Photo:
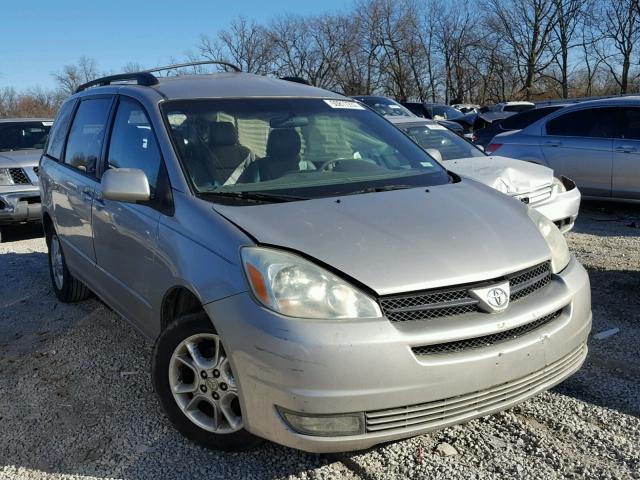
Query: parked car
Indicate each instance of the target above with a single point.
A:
(21, 142)
(466, 107)
(596, 143)
(516, 107)
(308, 274)
(483, 136)
(391, 109)
(558, 199)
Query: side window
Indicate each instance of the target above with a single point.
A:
(631, 123)
(87, 135)
(59, 131)
(133, 143)
(590, 122)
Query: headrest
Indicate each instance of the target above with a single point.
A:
(222, 134)
(283, 143)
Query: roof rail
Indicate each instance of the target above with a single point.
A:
(141, 78)
(145, 77)
(193, 64)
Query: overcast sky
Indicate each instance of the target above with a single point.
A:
(40, 36)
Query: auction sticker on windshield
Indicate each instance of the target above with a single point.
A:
(436, 126)
(344, 104)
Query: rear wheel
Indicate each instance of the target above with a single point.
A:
(66, 287)
(193, 377)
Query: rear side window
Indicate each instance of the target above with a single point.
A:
(631, 123)
(133, 143)
(87, 135)
(590, 122)
(59, 131)
(524, 119)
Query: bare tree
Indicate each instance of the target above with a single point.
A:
(74, 75)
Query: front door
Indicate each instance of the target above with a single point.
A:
(73, 197)
(125, 234)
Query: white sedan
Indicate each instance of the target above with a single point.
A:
(556, 198)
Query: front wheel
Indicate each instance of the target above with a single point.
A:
(197, 388)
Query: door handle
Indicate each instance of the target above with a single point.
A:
(554, 143)
(626, 149)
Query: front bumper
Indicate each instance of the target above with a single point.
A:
(332, 367)
(19, 206)
(562, 208)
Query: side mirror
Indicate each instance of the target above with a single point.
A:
(435, 154)
(125, 185)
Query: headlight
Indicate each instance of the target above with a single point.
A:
(558, 186)
(293, 286)
(5, 177)
(557, 244)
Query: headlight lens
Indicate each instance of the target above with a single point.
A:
(558, 186)
(5, 177)
(557, 244)
(293, 286)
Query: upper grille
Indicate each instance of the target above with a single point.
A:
(463, 407)
(457, 300)
(536, 196)
(486, 340)
(19, 177)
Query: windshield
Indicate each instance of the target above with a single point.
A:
(386, 107)
(303, 147)
(23, 136)
(520, 107)
(448, 113)
(450, 145)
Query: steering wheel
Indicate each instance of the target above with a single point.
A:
(326, 164)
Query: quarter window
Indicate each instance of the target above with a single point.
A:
(59, 131)
(133, 143)
(87, 135)
(590, 122)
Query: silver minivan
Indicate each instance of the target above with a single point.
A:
(307, 273)
(596, 143)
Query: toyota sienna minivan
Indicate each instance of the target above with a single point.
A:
(307, 273)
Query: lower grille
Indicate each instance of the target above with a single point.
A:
(462, 407)
(457, 300)
(19, 177)
(487, 340)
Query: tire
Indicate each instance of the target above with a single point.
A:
(67, 288)
(193, 412)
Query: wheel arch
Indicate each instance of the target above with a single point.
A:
(178, 300)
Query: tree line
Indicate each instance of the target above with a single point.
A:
(430, 50)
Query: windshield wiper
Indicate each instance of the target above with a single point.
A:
(257, 196)
(383, 188)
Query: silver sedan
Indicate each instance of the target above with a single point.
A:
(596, 143)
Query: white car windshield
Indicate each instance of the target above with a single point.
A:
(450, 145)
(307, 147)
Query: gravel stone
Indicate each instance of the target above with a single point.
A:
(76, 400)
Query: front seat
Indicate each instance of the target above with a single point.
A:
(229, 155)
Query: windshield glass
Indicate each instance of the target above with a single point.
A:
(303, 147)
(520, 107)
(448, 113)
(450, 145)
(386, 107)
(23, 136)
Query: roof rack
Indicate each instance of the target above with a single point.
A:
(193, 64)
(145, 77)
(142, 78)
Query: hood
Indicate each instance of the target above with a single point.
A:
(506, 175)
(20, 158)
(404, 240)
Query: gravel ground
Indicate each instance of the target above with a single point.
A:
(76, 399)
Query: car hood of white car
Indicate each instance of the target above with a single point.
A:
(507, 175)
